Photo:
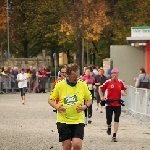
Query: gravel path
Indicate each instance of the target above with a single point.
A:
(32, 127)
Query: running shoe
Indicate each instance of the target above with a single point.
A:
(89, 121)
(96, 108)
(109, 131)
(85, 120)
(114, 139)
(23, 102)
(55, 110)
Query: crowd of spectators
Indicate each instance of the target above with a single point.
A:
(36, 77)
(10, 74)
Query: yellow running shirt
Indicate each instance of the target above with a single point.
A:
(70, 97)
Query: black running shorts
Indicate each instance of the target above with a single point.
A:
(23, 91)
(109, 113)
(69, 131)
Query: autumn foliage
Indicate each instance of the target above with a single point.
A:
(85, 18)
(60, 26)
(2, 16)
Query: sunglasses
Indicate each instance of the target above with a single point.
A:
(63, 72)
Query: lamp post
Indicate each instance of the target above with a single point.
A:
(87, 54)
(7, 9)
(7, 15)
(55, 59)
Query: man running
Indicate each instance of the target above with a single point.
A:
(113, 86)
(62, 76)
(22, 84)
(99, 80)
(71, 93)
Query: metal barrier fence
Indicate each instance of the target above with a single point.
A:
(40, 84)
(137, 103)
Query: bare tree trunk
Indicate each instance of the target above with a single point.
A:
(25, 46)
(91, 59)
(79, 53)
(57, 59)
(52, 59)
(94, 58)
(68, 56)
(82, 53)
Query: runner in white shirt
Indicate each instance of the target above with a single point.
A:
(22, 84)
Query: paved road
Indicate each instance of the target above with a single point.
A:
(32, 127)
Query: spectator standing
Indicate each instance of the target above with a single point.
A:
(48, 75)
(48, 72)
(95, 72)
(29, 74)
(143, 80)
(42, 79)
(33, 77)
(13, 80)
(1, 83)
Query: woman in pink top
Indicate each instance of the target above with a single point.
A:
(90, 82)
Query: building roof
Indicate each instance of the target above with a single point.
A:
(138, 39)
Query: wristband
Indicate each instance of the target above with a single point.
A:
(86, 105)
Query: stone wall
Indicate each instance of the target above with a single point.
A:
(23, 62)
(36, 62)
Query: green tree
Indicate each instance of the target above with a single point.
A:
(85, 20)
(2, 24)
(124, 14)
(34, 25)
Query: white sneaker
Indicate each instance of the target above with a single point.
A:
(96, 108)
(101, 111)
(23, 102)
(85, 120)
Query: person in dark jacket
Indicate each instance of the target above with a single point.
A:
(99, 80)
(143, 80)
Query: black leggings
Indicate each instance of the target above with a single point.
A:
(23, 91)
(109, 113)
(89, 110)
(99, 99)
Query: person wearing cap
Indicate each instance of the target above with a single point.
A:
(115, 88)
(22, 83)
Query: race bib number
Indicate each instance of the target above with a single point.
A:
(70, 104)
(70, 100)
(90, 86)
